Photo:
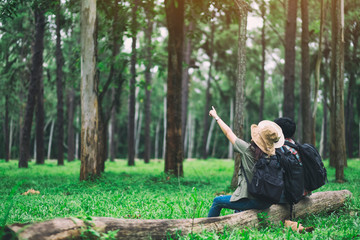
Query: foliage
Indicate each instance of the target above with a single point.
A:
(145, 192)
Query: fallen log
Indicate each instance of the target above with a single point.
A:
(66, 228)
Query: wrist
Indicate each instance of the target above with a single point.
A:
(217, 118)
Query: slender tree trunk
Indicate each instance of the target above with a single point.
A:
(40, 119)
(50, 140)
(289, 74)
(211, 131)
(77, 140)
(174, 147)
(59, 88)
(337, 147)
(113, 128)
(207, 95)
(157, 132)
(70, 128)
(165, 123)
(36, 75)
(148, 34)
(305, 76)
(240, 86)
(11, 135)
(138, 134)
(326, 83)
(231, 147)
(190, 124)
(263, 49)
(349, 110)
(90, 115)
(186, 77)
(6, 129)
(131, 117)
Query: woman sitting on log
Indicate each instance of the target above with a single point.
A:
(266, 136)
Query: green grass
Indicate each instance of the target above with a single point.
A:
(145, 192)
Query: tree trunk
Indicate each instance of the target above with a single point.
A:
(337, 131)
(131, 117)
(231, 147)
(11, 136)
(289, 73)
(305, 75)
(138, 133)
(66, 228)
(317, 74)
(59, 88)
(165, 122)
(6, 129)
(207, 95)
(157, 132)
(263, 49)
(90, 115)
(70, 128)
(36, 75)
(186, 77)
(40, 119)
(240, 87)
(113, 128)
(352, 68)
(174, 147)
(211, 131)
(148, 36)
(50, 140)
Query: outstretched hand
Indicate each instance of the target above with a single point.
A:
(213, 113)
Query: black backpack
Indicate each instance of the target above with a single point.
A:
(293, 175)
(315, 174)
(267, 183)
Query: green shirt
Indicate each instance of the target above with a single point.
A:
(248, 162)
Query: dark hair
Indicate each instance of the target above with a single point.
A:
(257, 151)
(287, 125)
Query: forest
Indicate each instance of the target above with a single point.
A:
(290, 63)
(119, 91)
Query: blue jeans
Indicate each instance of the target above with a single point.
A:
(223, 201)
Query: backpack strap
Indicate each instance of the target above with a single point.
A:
(292, 213)
(295, 146)
(243, 170)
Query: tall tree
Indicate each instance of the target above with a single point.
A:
(6, 129)
(337, 122)
(352, 36)
(36, 75)
(188, 29)
(289, 73)
(175, 24)
(149, 11)
(131, 117)
(59, 87)
(210, 53)
(240, 84)
(263, 59)
(305, 74)
(90, 152)
(70, 124)
(317, 75)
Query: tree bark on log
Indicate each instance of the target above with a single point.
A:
(65, 228)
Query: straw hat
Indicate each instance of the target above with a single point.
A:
(267, 135)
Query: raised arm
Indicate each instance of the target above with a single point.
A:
(225, 128)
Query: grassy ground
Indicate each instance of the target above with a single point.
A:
(145, 192)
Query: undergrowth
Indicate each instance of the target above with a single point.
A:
(145, 192)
